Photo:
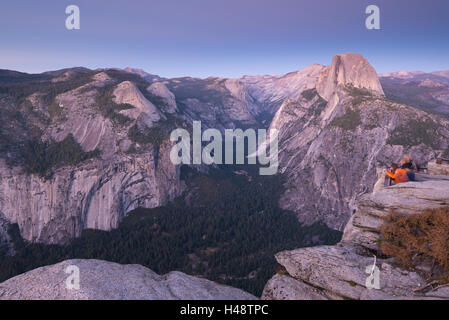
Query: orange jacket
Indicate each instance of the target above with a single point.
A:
(400, 175)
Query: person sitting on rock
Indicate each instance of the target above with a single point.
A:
(399, 175)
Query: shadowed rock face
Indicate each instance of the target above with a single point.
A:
(335, 127)
(101, 280)
(169, 100)
(339, 272)
(126, 92)
(271, 91)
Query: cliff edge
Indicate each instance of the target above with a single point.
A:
(341, 271)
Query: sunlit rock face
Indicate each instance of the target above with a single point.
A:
(99, 192)
(102, 280)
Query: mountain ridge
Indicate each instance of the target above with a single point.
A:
(313, 108)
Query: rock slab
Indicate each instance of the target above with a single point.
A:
(102, 280)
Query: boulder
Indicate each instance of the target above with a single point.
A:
(342, 271)
(102, 280)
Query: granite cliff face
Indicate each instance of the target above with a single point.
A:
(335, 127)
(340, 272)
(219, 103)
(427, 91)
(271, 91)
(348, 69)
(102, 280)
(96, 193)
(329, 148)
(6, 247)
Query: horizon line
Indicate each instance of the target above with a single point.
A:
(206, 77)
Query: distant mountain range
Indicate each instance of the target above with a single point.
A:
(336, 124)
(428, 91)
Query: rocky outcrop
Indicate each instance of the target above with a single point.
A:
(408, 198)
(438, 168)
(101, 280)
(348, 69)
(217, 102)
(329, 149)
(341, 271)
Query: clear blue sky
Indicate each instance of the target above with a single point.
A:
(226, 38)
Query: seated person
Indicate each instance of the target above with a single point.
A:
(399, 175)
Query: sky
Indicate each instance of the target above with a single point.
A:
(226, 38)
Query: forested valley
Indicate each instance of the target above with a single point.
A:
(227, 227)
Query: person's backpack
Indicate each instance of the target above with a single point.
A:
(411, 176)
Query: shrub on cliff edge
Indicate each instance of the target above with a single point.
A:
(419, 238)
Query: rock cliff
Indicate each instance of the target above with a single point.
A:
(329, 148)
(6, 247)
(340, 272)
(102, 280)
(96, 193)
(348, 69)
(271, 91)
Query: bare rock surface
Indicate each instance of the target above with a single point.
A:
(335, 129)
(348, 68)
(428, 91)
(160, 90)
(407, 198)
(284, 287)
(102, 280)
(341, 271)
(438, 169)
(96, 193)
(333, 137)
